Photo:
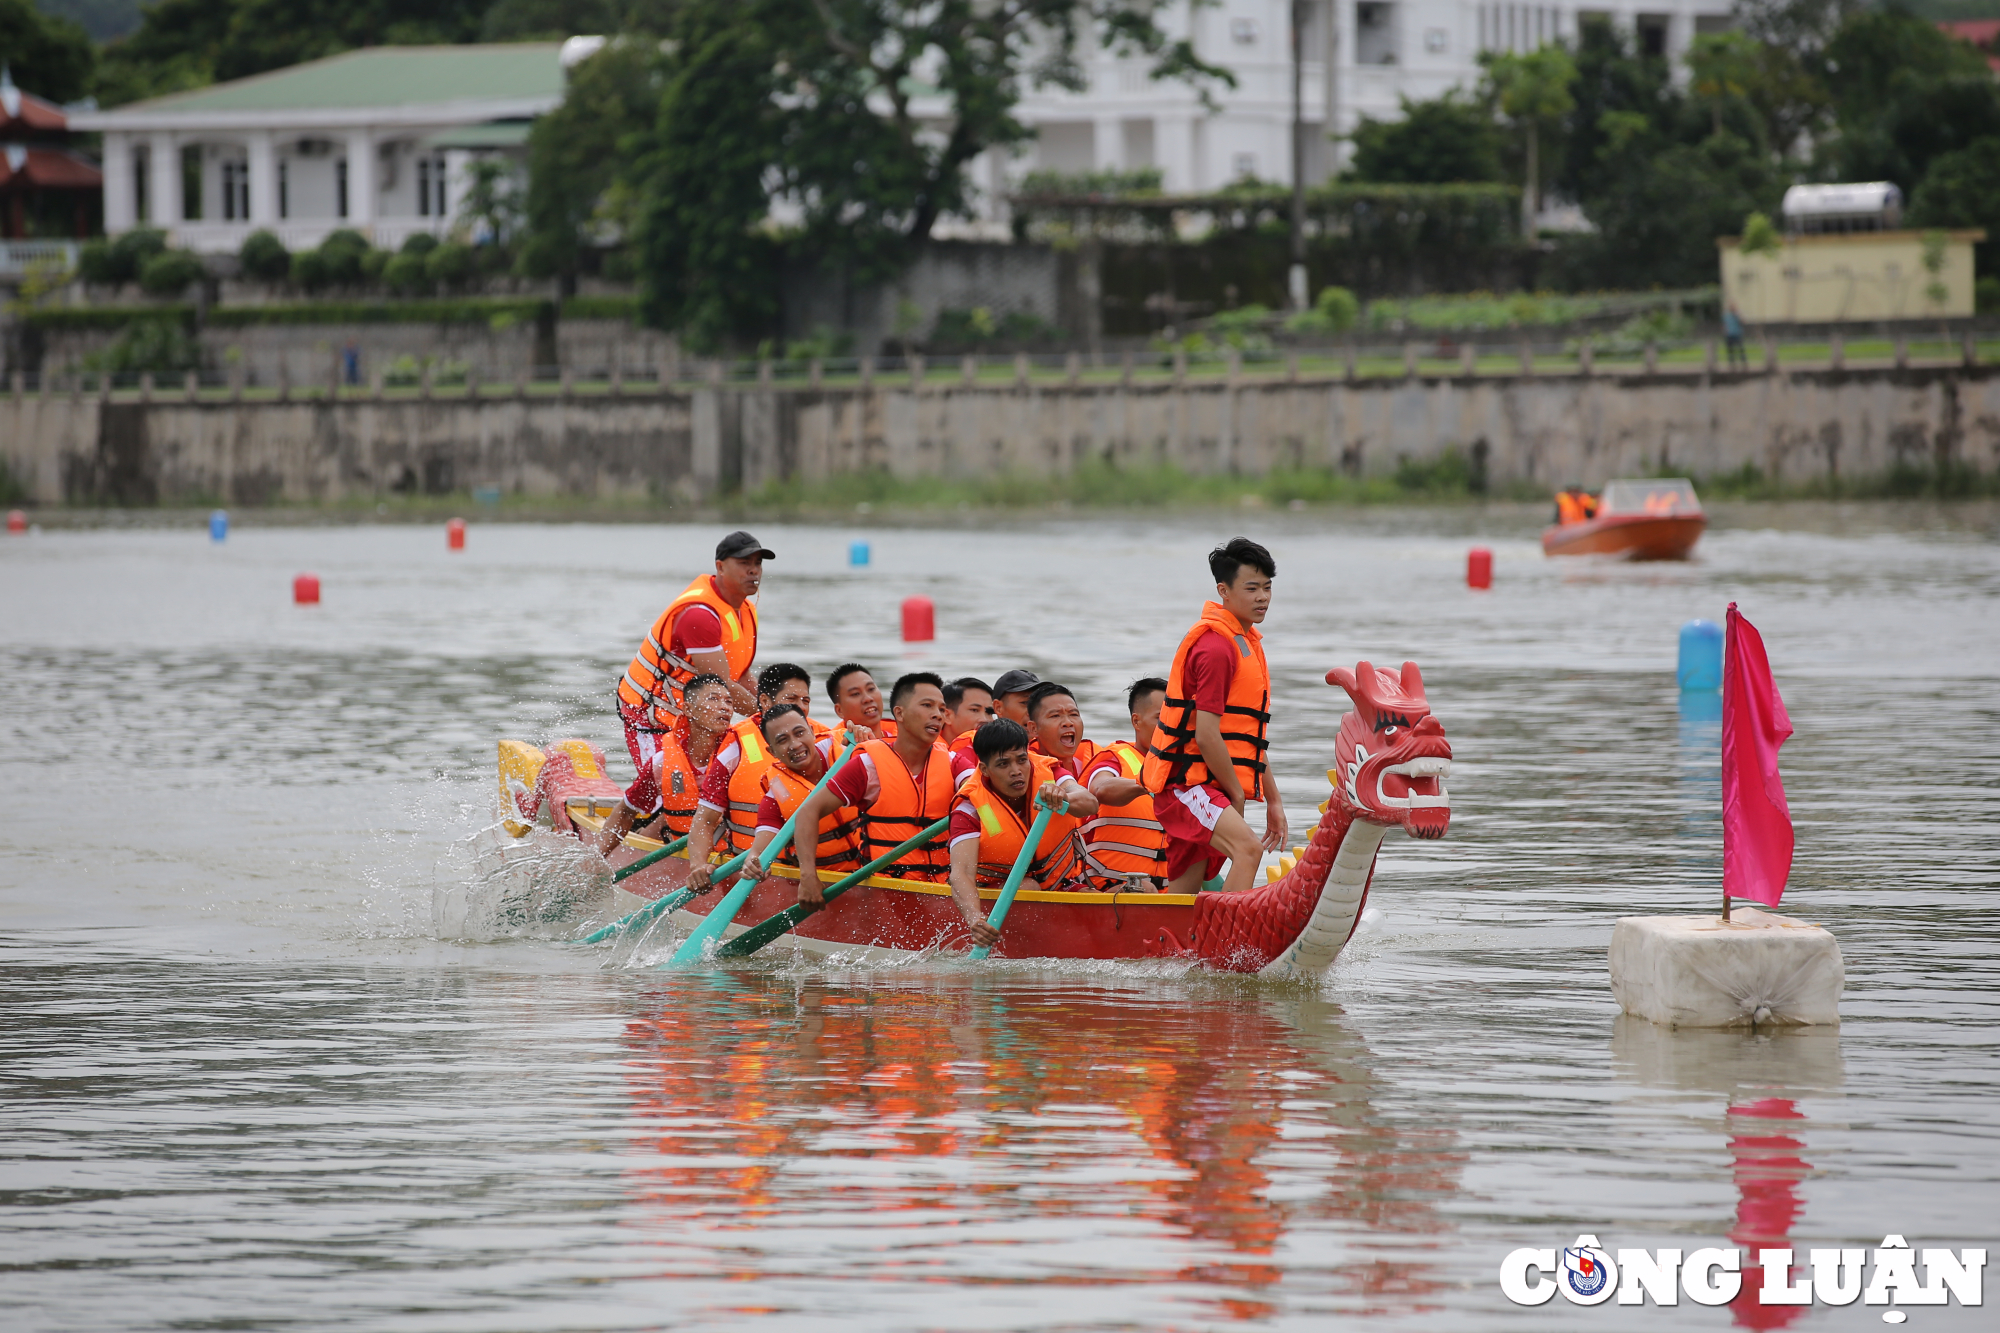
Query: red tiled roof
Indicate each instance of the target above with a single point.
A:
(33, 114)
(47, 169)
(1982, 33)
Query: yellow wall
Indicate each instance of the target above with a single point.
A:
(1860, 276)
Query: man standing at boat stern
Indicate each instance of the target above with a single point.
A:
(1207, 757)
(711, 628)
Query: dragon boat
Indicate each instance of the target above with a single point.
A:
(1391, 762)
(1636, 520)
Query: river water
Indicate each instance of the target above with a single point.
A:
(245, 1084)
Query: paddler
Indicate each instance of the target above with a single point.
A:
(1207, 758)
(992, 816)
(732, 786)
(857, 701)
(901, 787)
(1123, 847)
(668, 787)
(1056, 725)
(1010, 694)
(800, 760)
(968, 703)
(711, 628)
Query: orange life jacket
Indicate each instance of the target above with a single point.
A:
(902, 810)
(1569, 509)
(680, 785)
(839, 845)
(1125, 840)
(1174, 759)
(746, 784)
(652, 685)
(1086, 751)
(1002, 830)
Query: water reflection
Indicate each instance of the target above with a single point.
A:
(1758, 1081)
(938, 1113)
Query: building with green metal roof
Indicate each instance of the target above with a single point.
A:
(380, 140)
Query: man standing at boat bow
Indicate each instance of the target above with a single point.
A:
(1207, 759)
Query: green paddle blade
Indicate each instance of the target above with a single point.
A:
(1022, 860)
(650, 858)
(658, 907)
(771, 927)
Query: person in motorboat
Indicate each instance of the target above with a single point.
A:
(1123, 847)
(1056, 725)
(1575, 505)
(667, 788)
(857, 701)
(901, 786)
(799, 762)
(1010, 694)
(1207, 759)
(992, 816)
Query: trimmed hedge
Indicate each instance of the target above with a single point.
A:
(471, 310)
(106, 318)
(601, 307)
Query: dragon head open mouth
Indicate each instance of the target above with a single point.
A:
(1391, 759)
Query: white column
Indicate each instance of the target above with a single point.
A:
(1107, 144)
(363, 171)
(163, 188)
(119, 205)
(1173, 153)
(457, 180)
(263, 178)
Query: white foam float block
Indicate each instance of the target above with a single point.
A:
(1704, 972)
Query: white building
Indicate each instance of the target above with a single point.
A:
(378, 140)
(1377, 51)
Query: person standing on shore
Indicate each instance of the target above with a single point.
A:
(1732, 337)
(1207, 759)
(710, 629)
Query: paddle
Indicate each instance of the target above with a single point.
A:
(626, 872)
(725, 911)
(1043, 814)
(770, 928)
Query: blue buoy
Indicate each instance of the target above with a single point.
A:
(1701, 656)
(218, 525)
(857, 554)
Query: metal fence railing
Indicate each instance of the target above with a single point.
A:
(1163, 365)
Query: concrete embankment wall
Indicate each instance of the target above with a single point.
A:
(1796, 426)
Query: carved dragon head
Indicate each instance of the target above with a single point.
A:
(1391, 758)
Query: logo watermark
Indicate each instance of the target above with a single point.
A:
(1586, 1274)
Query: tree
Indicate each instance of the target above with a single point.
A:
(187, 43)
(1659, 211)
(1533, 91)
(1617, 90)
(1439, 142)
(577, 152)
(1962, 189)
(854, 121)
(49, 57)
(1723, 67)
(1903, 94)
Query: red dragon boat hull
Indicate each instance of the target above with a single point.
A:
(1295, 924)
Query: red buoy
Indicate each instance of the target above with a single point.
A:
(454, 534)
(919, 620)
(305, 590)
(1479, 568)
(16, 521)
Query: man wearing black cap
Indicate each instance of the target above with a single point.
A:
(1010, 694)
(710, 628)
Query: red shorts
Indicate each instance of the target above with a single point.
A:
(1187, 816)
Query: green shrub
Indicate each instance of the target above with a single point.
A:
(170, 273)
(1334, 311)
(1760, 236)
(158, 346)
(342, 251)
(374, 264)
(466, 310)
(404, 274)
(1986, 295)
(310, 270)
(419, 243)
(264, 257)
(121, 260)
(451, 264)
(601, 307)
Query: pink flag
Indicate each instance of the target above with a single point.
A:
(1756, 822)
